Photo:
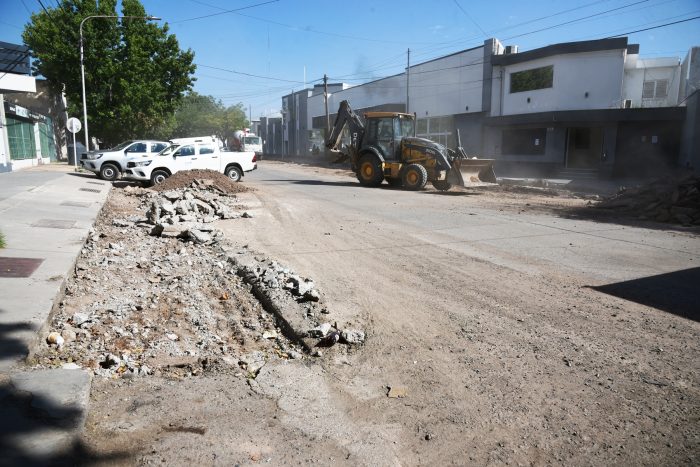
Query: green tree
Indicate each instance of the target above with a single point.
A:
(135, 71)
(199, 115)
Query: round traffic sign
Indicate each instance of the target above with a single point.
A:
(73, 125)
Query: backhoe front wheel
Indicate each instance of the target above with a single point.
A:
(442, 185)
(414, 177)
(369, 171)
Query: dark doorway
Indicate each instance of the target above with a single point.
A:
(584, 148)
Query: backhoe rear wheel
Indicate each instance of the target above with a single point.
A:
(415, 177)
(369, 170)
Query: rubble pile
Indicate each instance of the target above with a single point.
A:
(158, 293)
(213, 179)
(188, 213)
(280, 284)
(139, 304)
(665, 200)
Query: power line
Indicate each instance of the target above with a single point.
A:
(252, 75)
(225, 12)
(26, 8)
(470, 18)
(481, 62)
(614, 31)
(656, 27)
(307, 29)
(575, 20)
(11, 25)
(430, 50)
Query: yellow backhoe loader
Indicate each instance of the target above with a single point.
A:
(385, 147)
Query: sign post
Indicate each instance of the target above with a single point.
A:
(73, 125)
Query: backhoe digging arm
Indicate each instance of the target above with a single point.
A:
(344, 117)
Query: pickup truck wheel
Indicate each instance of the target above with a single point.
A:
(158, 176)
(369, 171)
(234, 173)
(415, 177)
(109, 172)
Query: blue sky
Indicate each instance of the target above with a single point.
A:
(358, 40)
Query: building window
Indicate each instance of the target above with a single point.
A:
(437, 129)
(657, 89)
(530, 80)
(20, 137)
(528, 142)
(48, 146)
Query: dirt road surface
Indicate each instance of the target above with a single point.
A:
(517, 331)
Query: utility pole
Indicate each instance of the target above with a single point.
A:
(325, 98)
(250, 115)
(408, 67)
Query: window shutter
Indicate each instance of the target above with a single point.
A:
(648, 90)
(662, 88)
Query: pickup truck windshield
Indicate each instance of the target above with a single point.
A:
(120, 146)
(169, 150)
(251, 140)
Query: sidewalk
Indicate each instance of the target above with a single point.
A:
(45, 216)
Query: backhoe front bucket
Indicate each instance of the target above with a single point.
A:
(471, 170)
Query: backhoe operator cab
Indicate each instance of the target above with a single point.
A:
(385, 130)
(384, 148)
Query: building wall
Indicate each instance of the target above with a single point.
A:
(648, 71)
(690, 141)
(295, 122)
(589, 80)
(49, 102)
(690, 74)
(447, 86)
(442, 87)
(271, 133)
(387, 90)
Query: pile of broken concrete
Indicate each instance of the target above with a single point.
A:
(189, 213)
(664, 200)
(141, 304)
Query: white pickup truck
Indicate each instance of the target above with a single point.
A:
(203, 152)
(109, 163)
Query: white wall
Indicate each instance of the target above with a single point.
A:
(449, 85)
(444, 86)
(652, 70)
(17, 83)
(390, 90)
(599, 74)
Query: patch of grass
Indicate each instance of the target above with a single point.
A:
(2, 240)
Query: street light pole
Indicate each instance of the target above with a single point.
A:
(82, 65)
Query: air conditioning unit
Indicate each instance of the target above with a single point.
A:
(627, 104)
(510, 49)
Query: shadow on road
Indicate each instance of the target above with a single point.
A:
(611, 216)
(126, 183)
(26, 415)
(84, 175)
(315, 182)
(451, 193)
(675, 292)
(12, 347)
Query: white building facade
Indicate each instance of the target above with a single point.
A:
(583, 108)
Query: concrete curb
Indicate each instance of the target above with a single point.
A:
(47, 216)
